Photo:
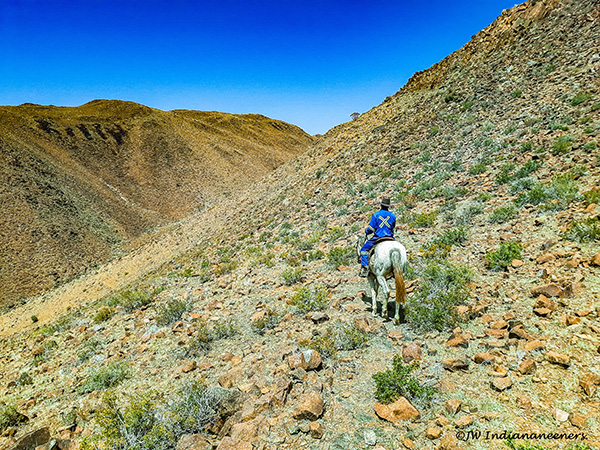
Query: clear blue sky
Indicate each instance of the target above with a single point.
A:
(308, 62)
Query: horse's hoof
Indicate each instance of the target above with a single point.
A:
(396, 321)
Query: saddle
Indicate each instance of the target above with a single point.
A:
(378, 241)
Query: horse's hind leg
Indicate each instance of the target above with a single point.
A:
(374, 292)
(386, 293)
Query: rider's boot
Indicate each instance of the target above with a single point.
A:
(364, 271)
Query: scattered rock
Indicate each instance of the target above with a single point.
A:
(527, 366)
(464, 421)
(319, 317)
(560, 415)
(453, 405)
(193, 442)
(370, 437)
(229, 443)
(433, 433)
(558, 358)
(589, 382)
(480, 358)
(307, 360)
(395, 412)
(395, 335)
(501, 383)
(534, 345)
(411, 351)
(315, 430)
(549, 290)
(32, 439)
(578, 420)
(310, 407)
(454, 364)
(188, 367)
(457, 340)
(595, 261)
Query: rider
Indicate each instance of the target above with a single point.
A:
(381, 225)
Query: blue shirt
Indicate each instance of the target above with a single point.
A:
(382, 224)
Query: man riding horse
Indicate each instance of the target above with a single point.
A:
(382, 225)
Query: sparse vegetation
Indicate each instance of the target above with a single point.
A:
(307, 299)
(267, 322)
(399, 381)
(338, 337)
(442, 286)
(584, 230)
(106, 377)
(133, 298)
(503, 214)
(9, 416)
(171, 311)
(502, 257)
(103, 314)
(340, 256)
(292, 275)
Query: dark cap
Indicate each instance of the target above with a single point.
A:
(385, 201)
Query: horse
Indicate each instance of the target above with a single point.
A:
(387, 259)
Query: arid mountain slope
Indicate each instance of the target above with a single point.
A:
(491, 160)
(75, 182)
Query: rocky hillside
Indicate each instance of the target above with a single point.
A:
(491, 160)
(78, 182)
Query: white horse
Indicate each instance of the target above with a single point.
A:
(388, 259)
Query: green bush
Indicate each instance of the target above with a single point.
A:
(478, 168)
(334, 234)
(340, 336)
(584, 230)
(10, 417)
(103, 314)
(225, 328)
(442, 286)
(267, 322)
(170, 312)
(201, 341)
(580, 97)
(501, 258)
(88, 348)
(131, 299)
(399, 381)
(591, 196)
(310, 299)
(556, 195)
(453, 236)
(106, 377)
(150, 422)
(24, 379)
(503, 214)
(421, 220)
(562, 145)
(341, 256)
(292, 275)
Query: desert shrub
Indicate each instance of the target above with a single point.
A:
(527, 169)
(563, 144)
(340, 256)
(223, 268)
(420, 220)
(334, 234)
(292, 275)
(24, 379)
(465, 212)
(435, 250)
(453, 236)
(225, 328)
(501, 258)
(9, 416)
(338, 337)
(309, 299)
(556, 195)
(88, 348)
(267, 322)
(399, 381)
(47, 348)
(478, 168)
(34, 318)
(591, 196)
(103, 314)
(151, 422)
(506, 173)
(133, 298)
(443, 286)
(201, 340)
(503, 214)
(171, 311)
(581, 97)
(584, 230)
(105, 377)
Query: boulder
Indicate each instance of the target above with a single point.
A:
(310, 407)
(193, 442)
(32, 439)
(558, 358)
(229, 443)
(549, 290)
(411, 351)
(398, 411)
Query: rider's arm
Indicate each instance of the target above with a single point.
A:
(371, 228)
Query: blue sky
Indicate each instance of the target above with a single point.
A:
(308, 62)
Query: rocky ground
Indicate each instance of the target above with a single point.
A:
(497, 144)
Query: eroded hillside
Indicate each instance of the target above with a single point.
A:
(77, 182)
(491, 160)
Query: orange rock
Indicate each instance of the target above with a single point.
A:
(309, 407)
(595, 261)
(398, 411)
(549, 290)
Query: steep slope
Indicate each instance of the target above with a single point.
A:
(497, 144)
(75, 182)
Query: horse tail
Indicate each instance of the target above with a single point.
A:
(396, 259)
